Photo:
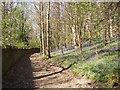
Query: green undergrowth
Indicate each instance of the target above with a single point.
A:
(23, 45)
(103, 70)
(99, 70)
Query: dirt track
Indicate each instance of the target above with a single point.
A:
(33, 72)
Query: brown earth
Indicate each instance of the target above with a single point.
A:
(33, 72)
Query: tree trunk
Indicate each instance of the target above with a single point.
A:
(74, 28)
(48, 31)
(42, 27)
(74, 36)
(110, 24)
(106, 27)
(80, 39)
(80, 34)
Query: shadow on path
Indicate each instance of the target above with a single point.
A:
(20, 76)
(63, 69)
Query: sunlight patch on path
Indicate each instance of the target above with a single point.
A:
(63, 79)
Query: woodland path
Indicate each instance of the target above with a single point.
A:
(33, 72)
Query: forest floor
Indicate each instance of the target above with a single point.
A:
(68, 70)
(42, 74)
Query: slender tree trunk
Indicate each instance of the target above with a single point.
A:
(90, 26)
(105, 37)
(74, 29)
(81, 34)
(48, 31)
(42, 27)
(106, 27)
(40, 7)
(110, 24)
(80, 39)
(74, 36)
(65, 36)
